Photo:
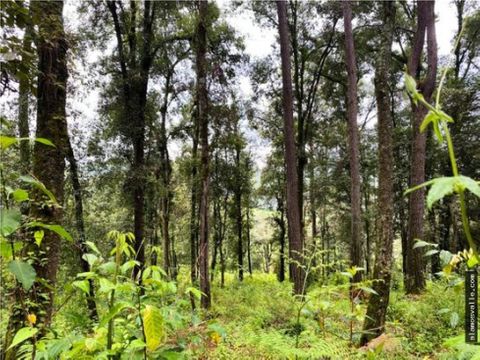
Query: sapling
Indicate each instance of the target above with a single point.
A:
(443, 186)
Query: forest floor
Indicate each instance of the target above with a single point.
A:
(258, 320)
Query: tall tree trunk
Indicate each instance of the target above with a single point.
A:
(165, 193)
(281, 237)
(415, 267)
(238, 213)
(23, 103)
(293, 211)
(51, 124)
(356, 251)
(81, 246)
(377, 306)
(193, 208)
(202, 104)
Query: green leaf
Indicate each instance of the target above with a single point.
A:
(129, 265)
(91, 259)
(10, 221)
(22, 335)
(20, 195)
(154, 327)
(44, 141)
(59, 230)
(454, 319)
(470, 184)
(83, 285)
(105, 285)
(38, 235)
(195, 292)
(6, 248)
(440, 188)
(7, 141)
(430, 117)
(431, 252)
(92, 246)
(24, 272)
(472, 262)
(39, 185)
(114, 311)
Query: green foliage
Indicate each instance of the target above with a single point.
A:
(22, 335)
(24, 273)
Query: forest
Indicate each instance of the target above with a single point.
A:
(239, 179)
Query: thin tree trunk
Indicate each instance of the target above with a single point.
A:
(81, 246)
(202, 103)
(249, 254)
(293, 211)
(356, 254)
(238, 215)
(415, 267)
(377, 306)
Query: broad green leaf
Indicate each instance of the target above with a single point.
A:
(38, 235)
(154, 327)
(470, 184)
(195, 292)
(7, 141)
(431, 252)
(114, 311)
(10, 221)
(22, 335)
(19, 195)
(105, 286)
(83, 285)
(6, 248)
(92, 246)
(440, 188)
(91, 259)
(39, 185)
(107, 268)
(59, 230)
(44, 141)
(129, 265)
(24, 272)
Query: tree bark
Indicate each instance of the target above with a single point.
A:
(377, 306)
(293, 211)
(415, 267)
(238, 212)
(23, 104)
(202, 104)
(356, 250)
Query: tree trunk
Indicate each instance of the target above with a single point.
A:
(238, 214)
(377, 306)
(23, 103)
(293, 211)
(249, 254)
(202, 104)
(52, 125)
(415, 267)
(356, 249)
(81, 246)
(165, 193)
